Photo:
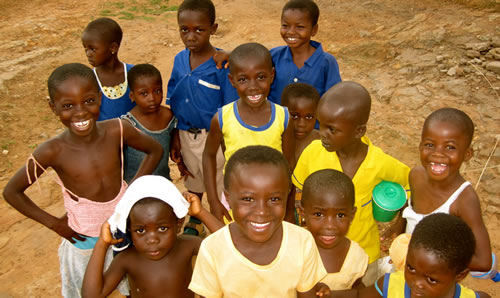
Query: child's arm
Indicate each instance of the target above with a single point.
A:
(468, 208)
(95, 283)
(288, 148)
(15, 196)
(214, 140)
(142, 142)
(220, 57)
(197, 210)
(368, 292)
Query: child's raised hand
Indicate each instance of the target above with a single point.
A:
(194, 203)
(62, 229)
(220, 57)
(106, 235)
(322, 290)
(183, 170)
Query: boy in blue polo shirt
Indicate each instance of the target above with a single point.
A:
(302, 59)
(196, 90)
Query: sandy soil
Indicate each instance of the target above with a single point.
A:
(403, 51)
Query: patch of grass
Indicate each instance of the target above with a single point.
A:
(33, 146)
(142, 9)
(107, 13)
(125, 15)
(5, 146)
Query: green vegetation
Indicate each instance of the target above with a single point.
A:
(132, 9)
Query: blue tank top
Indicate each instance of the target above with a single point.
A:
(133, 158)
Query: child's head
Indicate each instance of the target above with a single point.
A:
(101, 40)
(151, 211)
(343, 112)
(328, 206)
(445, 143)
(75, 97)
(196, 20)
(299, 22)
(251, 72)
(146, 87)
(440, 250)
(153, 227)
(302, 101)
(257, 183)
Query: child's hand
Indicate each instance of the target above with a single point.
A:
(219, 211)
(183, 170)
(106, 235)
(322, 290)
(195, 207)
(61, 227)
(220, 57)
(388, 236)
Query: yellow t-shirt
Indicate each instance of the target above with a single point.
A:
(222, 271)
(376, 167)
(395, 286)
(237, 134)
(354, 267)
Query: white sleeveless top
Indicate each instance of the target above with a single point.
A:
(413, 218)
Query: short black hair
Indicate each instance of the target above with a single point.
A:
(107, 28)
(448, 237)
(304, 5)
(328, 180)
(246, 50)
(204, 6)
(455, 117)
(66, 71)
(142, 70)
(256, 154)
(301, 90)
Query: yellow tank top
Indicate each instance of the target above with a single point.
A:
(395, 286)
(237, 134)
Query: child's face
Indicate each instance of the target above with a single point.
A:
(443, 149)
(147, 93)
(97, 50)
(153, 228)
(257, 195)
(76, 102)
(195, 29)
(296, 28)
(337, 127)
(252, 79)
(429, 276)
(302, 112)
(328, 217)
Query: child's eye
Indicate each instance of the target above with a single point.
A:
(90, 100)
(428, 145)
(431, 280)
(340, 215)
(410, 268)
(275, 199)
(67, 106)
(144, 94)
(162, 229)
(309, 117)
(242, 80)
(140, 231)
(261, 77)
(199, 30)
(317, 214)
(158, 91)
(183, 30)
(331, 129)
(294, 116)
(450, 147)
(247, 199)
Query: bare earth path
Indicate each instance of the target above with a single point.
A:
(410, 54)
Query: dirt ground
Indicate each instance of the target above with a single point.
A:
(413, 56)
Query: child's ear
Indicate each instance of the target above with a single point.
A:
(231, 79)
(468, 154)
(52, 107)
(314, 30)
(132, 96)
(213, 29)
(460, 276)
(353, 212)
(360, 131)
(114, 47)
(180, 222)
(226, 195)
(273, 72)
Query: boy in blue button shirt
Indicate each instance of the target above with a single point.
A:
(196, 90)
(302, 59)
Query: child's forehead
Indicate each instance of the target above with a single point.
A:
(193, 16)
(298, 12)
(75, 80)
(152, 208)
(445, 129)
(274, 172)
(248, 62)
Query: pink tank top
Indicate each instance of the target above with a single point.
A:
(86, 216)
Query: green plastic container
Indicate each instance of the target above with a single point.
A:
(388, 198)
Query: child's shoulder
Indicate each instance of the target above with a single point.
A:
(189, 243)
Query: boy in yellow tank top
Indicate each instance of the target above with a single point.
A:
(251, 120)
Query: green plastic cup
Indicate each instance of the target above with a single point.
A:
(388, 198)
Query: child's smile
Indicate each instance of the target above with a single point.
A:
(443, 149)
(296, 28)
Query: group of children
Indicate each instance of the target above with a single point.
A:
(244, 134)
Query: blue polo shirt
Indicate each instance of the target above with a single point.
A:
(320, 70)
(195, 95)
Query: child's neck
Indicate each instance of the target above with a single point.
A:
(352, 156)
(199, 57)
(448, 185)
(301, 144)
(83, 140)
(254, 116)
(333, 258)
(301, 54)
(156, 120)
(111, 73)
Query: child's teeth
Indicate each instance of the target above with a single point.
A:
(438, 168)
(255, 97)
(82, 124)
(260, 225)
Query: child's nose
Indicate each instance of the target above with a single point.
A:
(151, 238)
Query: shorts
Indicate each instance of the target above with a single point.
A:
(73, 263)
(192, 147)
